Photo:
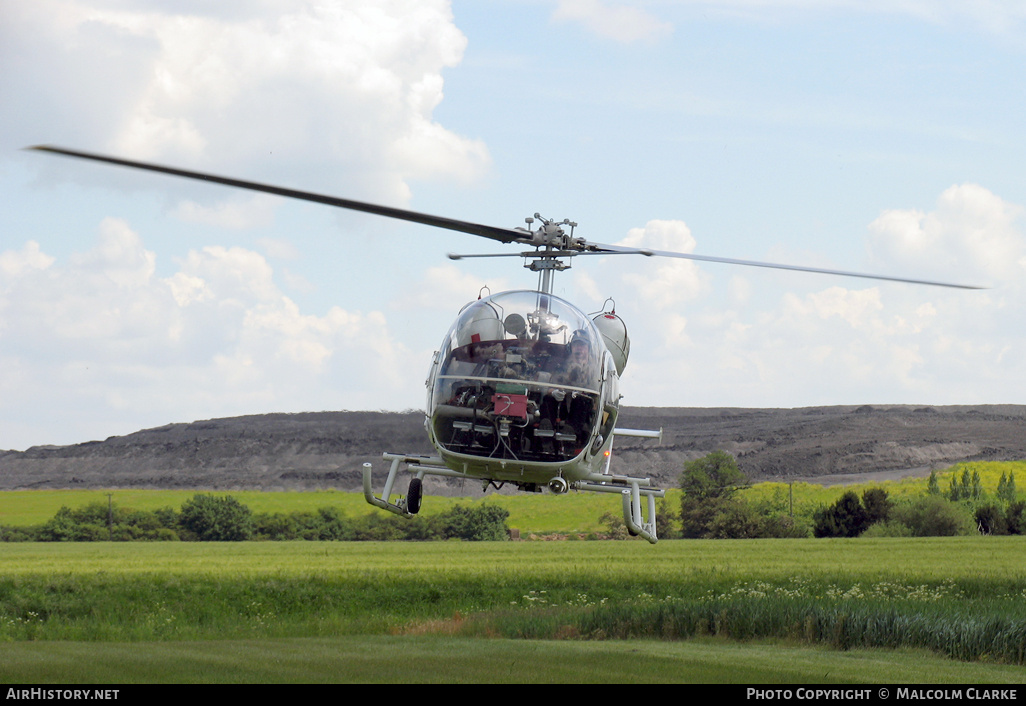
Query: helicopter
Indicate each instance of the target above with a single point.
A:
(525, 387)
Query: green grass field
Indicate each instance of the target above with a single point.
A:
(888, 610)
(432, 659)
(788, 610)
(575, 513)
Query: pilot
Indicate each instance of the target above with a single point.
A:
(575, 370)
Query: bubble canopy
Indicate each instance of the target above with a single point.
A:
(519, 376)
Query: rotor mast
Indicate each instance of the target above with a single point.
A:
(556, 243)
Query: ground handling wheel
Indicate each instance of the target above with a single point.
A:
(414, 495)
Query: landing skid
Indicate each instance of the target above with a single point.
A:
(420, 465)
(636, 523)
(630, 489)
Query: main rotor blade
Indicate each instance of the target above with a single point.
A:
(503, 235)
(599, 248)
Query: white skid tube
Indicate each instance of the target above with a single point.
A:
(632, 516)
(420, 464)
(398, 508)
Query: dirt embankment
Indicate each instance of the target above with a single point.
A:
(327, 449)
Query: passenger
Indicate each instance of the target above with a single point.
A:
(486, 355)
(575, 371)
(571, 409)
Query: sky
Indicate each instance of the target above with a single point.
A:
(875, 136)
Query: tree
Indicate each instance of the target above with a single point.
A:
(968, 486)
(954, 493)
(976, 487)
(1015, 517)
(334, 525)
(990, 519)
(877, 505)
(965, 486)
(378, 527)
(666, 520)
(217, 519)
(715, 475)
(933, 486)
(709, 483)
(62, 527)
(1006, 488)
(276, 526)
(930, 516)
(485, 522)
(735, 520)
(845, 518)
(615, 527)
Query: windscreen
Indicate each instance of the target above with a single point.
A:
(519, 377)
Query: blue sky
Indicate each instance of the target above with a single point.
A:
(873, 136)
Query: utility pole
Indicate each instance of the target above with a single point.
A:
(110, 517)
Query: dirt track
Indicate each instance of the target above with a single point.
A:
(325, 450)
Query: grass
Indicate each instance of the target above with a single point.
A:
(743, 611)
(388, 659)
(962, 559)
(575, 513)
(847, 593)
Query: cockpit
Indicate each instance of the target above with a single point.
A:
(519, 376)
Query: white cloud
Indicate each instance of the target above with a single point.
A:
(858, 308)
(101, 293)
(107, 337)
(343, 98)
(973, 236)
(722, 341)
(232, 274)
(30, 257)
(327, 84)
(663, 282)
(118, 256)
(622, 23)
(450, 287)
(332, 97)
